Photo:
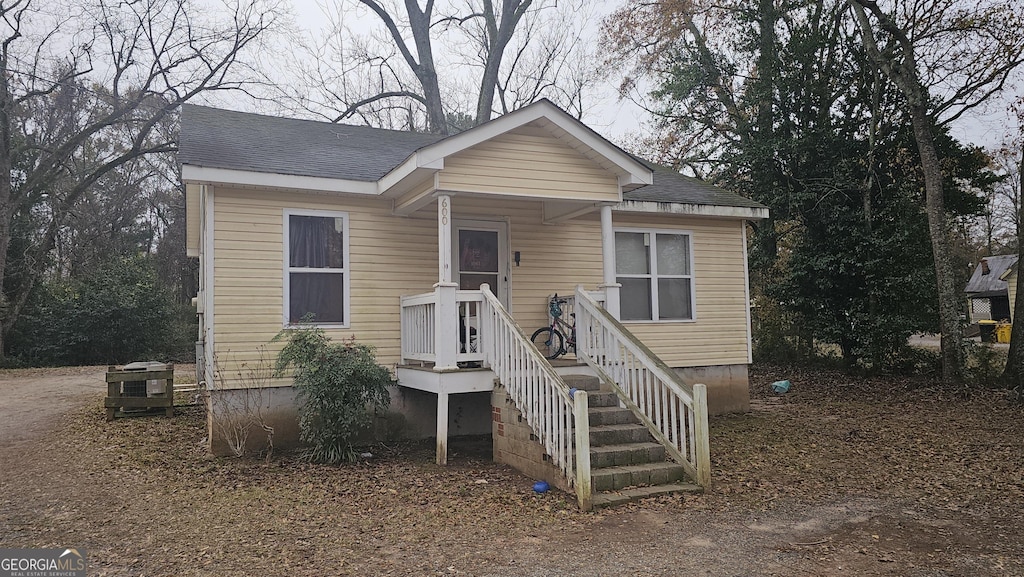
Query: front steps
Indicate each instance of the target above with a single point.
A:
(626, 464)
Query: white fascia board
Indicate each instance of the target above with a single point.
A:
(636, 172)
(415, 162)
(692, 209)
(204, 174)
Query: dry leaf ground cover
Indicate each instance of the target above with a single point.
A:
(842, 476)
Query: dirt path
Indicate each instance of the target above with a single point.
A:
(840, 477)
(31, 401)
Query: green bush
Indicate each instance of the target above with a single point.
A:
(118, 313)
(339, 386)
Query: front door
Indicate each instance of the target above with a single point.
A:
(481, 256)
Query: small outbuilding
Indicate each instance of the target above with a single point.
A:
(987, 291)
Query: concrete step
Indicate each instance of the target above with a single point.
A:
(613, 478)
(625, 454)
(612, 498)
(602, 399)
(582, 382)
(618, 434)
(611, 416)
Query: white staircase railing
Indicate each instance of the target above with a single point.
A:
(559, 419)
(676, 413)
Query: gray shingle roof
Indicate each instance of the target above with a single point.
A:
(670, 186)
(989, 284)
(216, 138)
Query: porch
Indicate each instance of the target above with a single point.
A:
(478, 347)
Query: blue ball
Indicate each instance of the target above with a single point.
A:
(541, 487)
(572, 392)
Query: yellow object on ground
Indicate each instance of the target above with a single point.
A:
(1003, 332)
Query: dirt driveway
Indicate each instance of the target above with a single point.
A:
(840, 477)
(32, 400)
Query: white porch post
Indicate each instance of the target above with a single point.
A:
(446, 319)
(610, 285)
(442, 428)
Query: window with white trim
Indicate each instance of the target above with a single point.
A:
(655, 269)
(316, 267)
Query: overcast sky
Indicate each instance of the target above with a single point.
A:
(620, 120)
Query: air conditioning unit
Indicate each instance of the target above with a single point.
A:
(150, 388)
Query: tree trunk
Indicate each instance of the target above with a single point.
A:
(902, 70)
(6, 205)
(1013, 374)
(419, 23)
(499, 33)
(950, 322)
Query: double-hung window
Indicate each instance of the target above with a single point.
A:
(655, 269)
(316, 267)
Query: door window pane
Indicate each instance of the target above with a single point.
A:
(472, 282)
(478, 251)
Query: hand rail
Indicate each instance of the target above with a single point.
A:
(675, 413)
(560, 419)
(417, 327)
(418, 321)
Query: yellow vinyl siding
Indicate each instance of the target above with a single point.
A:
(192, 217)
(718, 336)
(390, 257)
(529, 166)
(1011, 290)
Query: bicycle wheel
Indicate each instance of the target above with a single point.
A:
(550, 343)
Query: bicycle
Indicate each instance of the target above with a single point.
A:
(552, 341)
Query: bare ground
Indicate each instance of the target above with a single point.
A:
(842, 476)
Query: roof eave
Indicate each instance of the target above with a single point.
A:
(678, 208)
(221, 176)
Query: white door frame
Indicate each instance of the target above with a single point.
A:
(499, 226)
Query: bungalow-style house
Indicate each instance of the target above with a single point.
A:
(442, 252)
(987, 292)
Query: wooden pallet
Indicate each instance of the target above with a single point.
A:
(116, 398)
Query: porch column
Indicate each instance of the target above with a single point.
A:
(610, 284)
(442, 428)
(446, 319)
(446, 316)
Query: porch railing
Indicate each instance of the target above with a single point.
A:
(419, 327)
(418, 321)
(560, 419)
(675, 413)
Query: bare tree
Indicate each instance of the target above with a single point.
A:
(135, 63)
(441, 67)
(1013, 373)
(946, 57)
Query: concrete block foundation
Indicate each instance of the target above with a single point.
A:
(515, 444)
(728, 386)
